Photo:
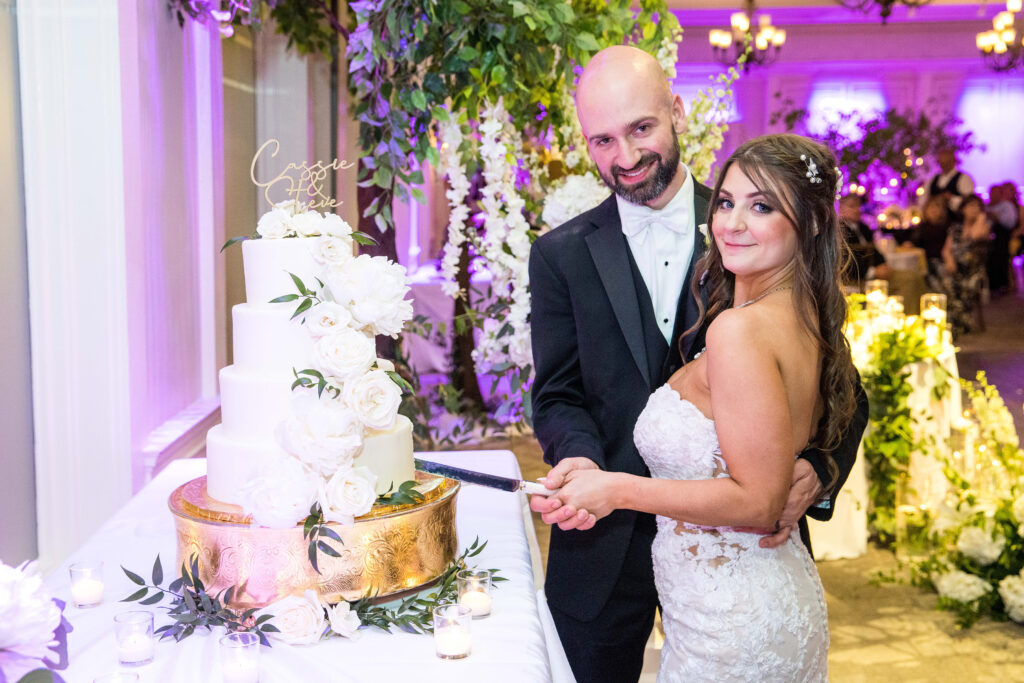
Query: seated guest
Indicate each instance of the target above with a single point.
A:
(1005, 217)
(930, 235)
(965, 254)
(866, 261)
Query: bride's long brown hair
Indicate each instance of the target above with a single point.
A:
(780, 167)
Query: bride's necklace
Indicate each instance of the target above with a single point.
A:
(763, 295)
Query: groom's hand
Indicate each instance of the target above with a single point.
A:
(805, 492)
(551, 509)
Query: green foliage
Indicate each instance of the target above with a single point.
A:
(405, 495)
(313, 527)
(192, 607)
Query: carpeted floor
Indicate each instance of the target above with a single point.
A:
(891, 631)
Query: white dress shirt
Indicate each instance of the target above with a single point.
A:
(662, 245)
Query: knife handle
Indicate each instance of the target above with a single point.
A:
(533, 488)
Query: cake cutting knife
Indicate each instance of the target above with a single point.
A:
(489, 480)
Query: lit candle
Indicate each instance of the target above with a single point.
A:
(135, 648)
(240, 670)
(87, 592)
(452, 642)
(478, 601)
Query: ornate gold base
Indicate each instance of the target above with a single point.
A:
(392, 550)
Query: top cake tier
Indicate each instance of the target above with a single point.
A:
(268, 262)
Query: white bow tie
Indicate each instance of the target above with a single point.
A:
(675, 221)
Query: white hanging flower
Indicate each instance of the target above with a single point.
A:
(299, 619)
(979, 545)
(961, 586)
(1011, 590)
(573, 196)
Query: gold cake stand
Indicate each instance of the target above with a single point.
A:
(390, 551)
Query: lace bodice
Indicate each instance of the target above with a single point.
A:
(732, 611)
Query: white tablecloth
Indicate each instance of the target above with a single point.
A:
(511, 645)
(846, 534)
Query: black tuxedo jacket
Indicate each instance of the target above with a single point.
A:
(598, 355)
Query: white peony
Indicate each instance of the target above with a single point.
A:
(28, 617)
(375, 398)
(306, 224)
(299, 618)
(978, 545)
(329, 251)
(961, 586)
(1011, 590)
(345, 354)
(347, 494)
(274, 224)
(335, 226)
(576, 194)
(373, 289)
(281, 496)
(325, 318)
(322, 432)
(343, 619)
(1018, 509)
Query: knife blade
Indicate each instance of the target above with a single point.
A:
(479, 478)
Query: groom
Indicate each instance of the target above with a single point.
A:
(611, 298)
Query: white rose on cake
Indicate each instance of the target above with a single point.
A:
(1011, 590)
(274, 224)
(373, 289)
(979, 545)
(331, 251)
(375, 398)
(322, 432)
(343, 619)
(335, 226)
(961, 586)
(325, 318)
(306, 224)
(300, 619)
(282, 495)
(347, 494)
(346, 353)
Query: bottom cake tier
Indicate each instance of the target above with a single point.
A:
(392, 550)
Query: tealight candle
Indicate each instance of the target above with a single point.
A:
(452, 638)
(239, 658)
(135, 641)
(477, 601)
(474, 586)
(86, 584)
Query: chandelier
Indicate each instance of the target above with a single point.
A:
(999, 45)
(740, 45)
(885, 7)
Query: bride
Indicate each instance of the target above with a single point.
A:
(721, 437)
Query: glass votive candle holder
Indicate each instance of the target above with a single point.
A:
(240, 658)
(451, 631)
(117, 677)
(474, 587)
(876, 293)
(86, 583)
(135, 641)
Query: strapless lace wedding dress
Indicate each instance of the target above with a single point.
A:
(732, 611)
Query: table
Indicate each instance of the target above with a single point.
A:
(516, 643)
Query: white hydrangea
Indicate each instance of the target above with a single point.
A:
(980, 545)
(961, 586)
(1018, 509)
(1011, 590)
(574, 195)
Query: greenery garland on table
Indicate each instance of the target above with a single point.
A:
(192, 607)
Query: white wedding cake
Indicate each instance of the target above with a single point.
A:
(338, 440)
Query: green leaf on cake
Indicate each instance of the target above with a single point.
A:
(363, 238)
(234, 240)
(285, 298)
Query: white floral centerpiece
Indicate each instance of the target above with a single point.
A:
(33, 630)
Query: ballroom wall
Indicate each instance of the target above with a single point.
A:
(17, 485)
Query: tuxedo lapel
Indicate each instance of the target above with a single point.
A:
(608, 248)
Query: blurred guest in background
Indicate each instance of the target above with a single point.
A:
(866, 262)
(965, 254)
(1005, 217)
(952, 184)
(931, 235)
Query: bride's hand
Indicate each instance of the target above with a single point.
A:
(590, 493)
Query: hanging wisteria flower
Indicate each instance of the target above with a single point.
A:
(281, 496)
(961, 586)
(374, 398)
(979, 545)
(573, 196)
(347, 494)
(322, 432)
(299, 619)
(450, 139)
(1011, 590)
(373, 290)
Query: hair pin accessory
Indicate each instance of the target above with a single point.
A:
(812, 169)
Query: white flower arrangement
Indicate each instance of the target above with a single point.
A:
(961, 586)
(980, 545)
(284, 220)
(33, 630)
(1011, 590)
(573, 196)
(450, 140)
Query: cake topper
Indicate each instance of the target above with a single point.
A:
(302, 182)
